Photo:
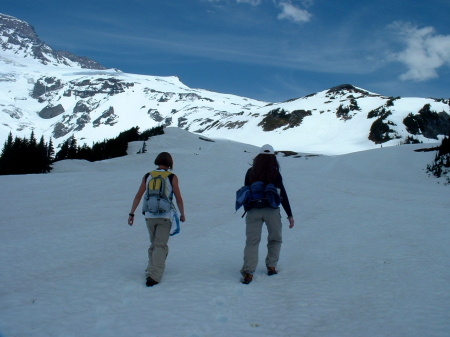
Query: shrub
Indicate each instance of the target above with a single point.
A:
(440, 167)
(279, 117)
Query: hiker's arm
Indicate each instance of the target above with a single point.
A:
(247, 178)
(291, 221)
(285, 201)
(136, 201)
(177, 193)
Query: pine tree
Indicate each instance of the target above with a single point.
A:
(19, 154)
(6, 156)
(44, 164)
(25, 156)
(73, 148)
(31, 152)
(50, 152)
(63, 152)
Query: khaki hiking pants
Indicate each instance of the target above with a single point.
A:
(254, 221)
(159, 230)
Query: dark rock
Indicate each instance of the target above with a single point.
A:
(428, 123)
(51, 111)
(107, 118)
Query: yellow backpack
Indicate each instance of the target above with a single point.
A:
(158, 196)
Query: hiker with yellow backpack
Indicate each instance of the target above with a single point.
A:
(159, 187)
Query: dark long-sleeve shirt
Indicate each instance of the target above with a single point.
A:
(278, 184)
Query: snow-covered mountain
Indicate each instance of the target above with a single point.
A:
(20, 38)
(58, 95)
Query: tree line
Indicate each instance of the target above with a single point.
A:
(27, 156)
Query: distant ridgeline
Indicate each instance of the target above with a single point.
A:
(27, 156)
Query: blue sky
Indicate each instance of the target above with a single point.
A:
(271, 50)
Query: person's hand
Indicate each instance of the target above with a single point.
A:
(130, 219)
(182, 218)
(291, 221)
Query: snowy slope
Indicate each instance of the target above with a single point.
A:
(99, 104)
(369, 254)
(93, 105)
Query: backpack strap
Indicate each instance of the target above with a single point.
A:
(146, 186)
(170, 177)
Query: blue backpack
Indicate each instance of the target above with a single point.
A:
(257, 195)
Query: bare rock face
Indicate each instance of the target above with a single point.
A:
(51, 111)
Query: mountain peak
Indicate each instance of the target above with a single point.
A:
(20, 38)
(11, 26)
(347, 88)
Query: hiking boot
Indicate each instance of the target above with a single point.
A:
(247, 278)
(150, 282)
(271, 271)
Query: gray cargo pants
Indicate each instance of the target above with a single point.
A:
(254, 221)
(159, 230)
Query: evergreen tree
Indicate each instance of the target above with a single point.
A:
(50, 151)
(19, 152)
(6, 157)
(158, 130)
(73, 149)
(25, 156)
(63, 153)
(44, 163)
(32, 154)
(109, 148)
(85, 152)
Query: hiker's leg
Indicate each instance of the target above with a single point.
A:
(253, 222)
(159, 230)
(151, 231)
(272, 218)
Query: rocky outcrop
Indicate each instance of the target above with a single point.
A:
(107, 118)
(51, 111)
(281, 118)
(91, 87)
(428, 123)
(46, 85)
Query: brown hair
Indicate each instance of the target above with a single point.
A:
(265, 168)
(164, 159)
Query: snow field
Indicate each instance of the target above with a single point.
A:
(368, 256)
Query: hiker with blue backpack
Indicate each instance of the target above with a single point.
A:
(158, 188)
(261, 196)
